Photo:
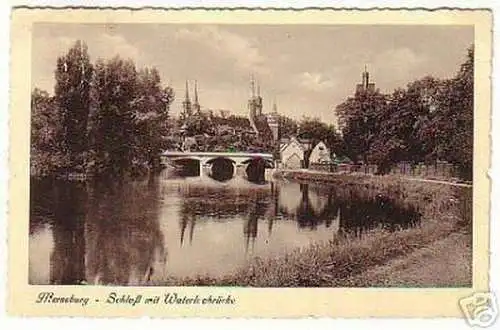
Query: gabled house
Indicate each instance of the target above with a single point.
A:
(292, 154)
(320, 154)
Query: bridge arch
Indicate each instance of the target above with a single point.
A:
(256, 167)
(221, 168)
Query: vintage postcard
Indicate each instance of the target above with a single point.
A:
(250, 163)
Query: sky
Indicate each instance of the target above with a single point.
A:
(306, 69)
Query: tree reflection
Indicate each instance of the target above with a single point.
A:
(352, 210)
(125, 244)
(68, 230)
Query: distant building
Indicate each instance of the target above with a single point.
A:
(273, 122)
(188, 108)
(263, 125)
(320, 154)
(196, 103)
(254, 106)
(292, 154)
(366, 85)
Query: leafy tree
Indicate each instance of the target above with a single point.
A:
(287, 126)
(316, 131)
(455, 119)
(72, 95)
(401, 123)
(360, 119)
(47, 157)
(113, 118)
(431, 119)
(151, 106)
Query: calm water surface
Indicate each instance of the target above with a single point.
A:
(145, 231)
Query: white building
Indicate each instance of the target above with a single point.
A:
(292, 154)
(320, 154)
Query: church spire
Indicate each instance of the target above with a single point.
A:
(195, 92)
(196, 103)
(252, 85)
(186, 105)
(275, 107)
(186, 97)
(366, 78)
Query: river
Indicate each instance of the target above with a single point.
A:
(145, 231)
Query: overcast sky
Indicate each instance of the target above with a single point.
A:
(308, 69)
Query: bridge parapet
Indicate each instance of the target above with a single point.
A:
(240, 160)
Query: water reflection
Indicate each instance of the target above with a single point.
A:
(120, 233)
(101, 234)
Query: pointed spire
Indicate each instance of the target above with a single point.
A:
(258, 89)
(366, 78)
(275, 107)
(186, 104)
(196, 103)
(196, 92)
(187, 92)
(252, 85)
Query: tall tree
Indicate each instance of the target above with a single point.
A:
(73, 77)
(360, 118)
(46, 157)
(151, 105)
(316, 130)
(113, 117)
(402, 123)
(287, 126)
(456, 118)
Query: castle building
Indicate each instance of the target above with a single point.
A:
(273, 122)
(196, 104)
(188, 108)
(254, 106)
(366, 85)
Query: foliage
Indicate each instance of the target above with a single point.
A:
(316, 130)
(104, 119)
(73, 77)
(46, 153)
(429, 120)
(362, 117)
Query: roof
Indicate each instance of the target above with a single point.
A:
(293, 140)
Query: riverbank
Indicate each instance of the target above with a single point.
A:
(321, 176)
(348, 260)
(443, 263)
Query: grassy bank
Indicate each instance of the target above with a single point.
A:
(344, 260)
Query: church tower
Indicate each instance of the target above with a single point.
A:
(258, 102)
(253, 107)
(186, 104)
(366, 85)
(273, 122)
(196, 104)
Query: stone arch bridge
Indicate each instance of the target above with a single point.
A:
(222, 164)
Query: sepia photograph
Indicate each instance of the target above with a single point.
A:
(251, 155)
(250, 163)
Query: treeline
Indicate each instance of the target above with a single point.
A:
(105, 118)
(429, 120)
